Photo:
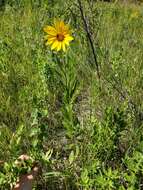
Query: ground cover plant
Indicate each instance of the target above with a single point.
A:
(71, 90)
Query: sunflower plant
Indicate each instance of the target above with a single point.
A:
(59, 36)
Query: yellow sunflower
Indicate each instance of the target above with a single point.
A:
(58, 35)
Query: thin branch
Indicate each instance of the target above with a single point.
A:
(89, 37)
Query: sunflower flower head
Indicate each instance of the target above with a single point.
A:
(58, 36)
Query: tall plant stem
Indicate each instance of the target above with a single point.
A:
(89, 37)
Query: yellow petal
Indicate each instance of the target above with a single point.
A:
(66, 29)
(66, 42)
(48, 43)
(59, 46)
(54, 45)
(51, 38)
(62, 26)
(57, 26)
(61, 23)
(68, 38)
(63, 46)
(50, 30)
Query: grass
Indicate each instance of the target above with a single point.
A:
(85, 132)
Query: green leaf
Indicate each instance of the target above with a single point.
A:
(71, 157)
(84, 177)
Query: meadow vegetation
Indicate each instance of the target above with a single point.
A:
(79, 113)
